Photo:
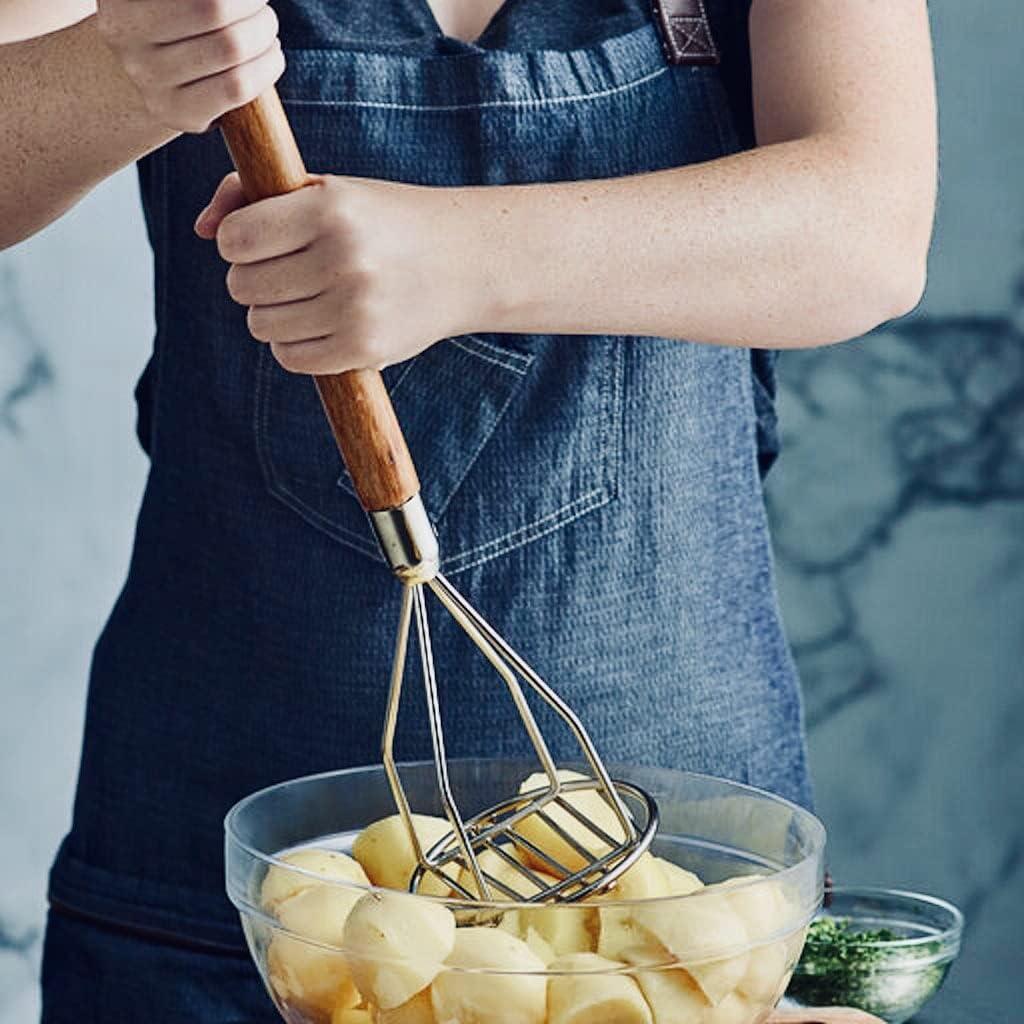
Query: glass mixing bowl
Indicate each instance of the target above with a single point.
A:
(338, 952)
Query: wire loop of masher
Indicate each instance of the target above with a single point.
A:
(467, 839)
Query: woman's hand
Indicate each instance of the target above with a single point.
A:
(193, 60)
(349, 273)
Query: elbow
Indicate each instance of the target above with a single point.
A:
(906, 279)
(891, 278)
(9, 241)
(873, 263)
(878, 291)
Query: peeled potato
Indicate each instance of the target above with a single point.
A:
(764, 910)
(734, 1009)
(591, 998)
(673, 996)
(464, 997)
(650, 878)
(795, 944)
(759, 902)
(555, 929)
(419, 1010)
(717, 978)
(618, 932)
(396, 945)
(433, 885)
(539, 945)
(680, 881)
(492, 863)
(766, 968)
(387, 856)
(305, 974)
(694, 931)
(646, 879)
(589, 803)
(350, 1016)
(565, 928)
(512, 922)
(280, 883)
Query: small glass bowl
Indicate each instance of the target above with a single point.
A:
(891, 978)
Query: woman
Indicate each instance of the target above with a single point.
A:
(523, 212)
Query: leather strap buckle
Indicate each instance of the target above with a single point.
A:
(685, 30)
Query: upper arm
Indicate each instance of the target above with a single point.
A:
(859, 72)
(852, 66)
(23, 19)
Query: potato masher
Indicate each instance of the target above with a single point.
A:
(371, 442)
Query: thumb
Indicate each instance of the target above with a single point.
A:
(228, 198)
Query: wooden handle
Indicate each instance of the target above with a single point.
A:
(357, 405)
(823, 1015)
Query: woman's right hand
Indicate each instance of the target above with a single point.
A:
(193, 60)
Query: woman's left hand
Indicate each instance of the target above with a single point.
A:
(348, 273)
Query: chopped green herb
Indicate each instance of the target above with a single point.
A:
(843, 966)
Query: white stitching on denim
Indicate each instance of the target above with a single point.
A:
(332, 529)
(533, 531)
(713, 47)
(578, 507)
(401, 377)
(344, 480)
(511, 367)
(472, 557)
(542, 101)
(438, 514)
(525, 359)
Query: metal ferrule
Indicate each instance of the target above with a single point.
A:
(408, 541)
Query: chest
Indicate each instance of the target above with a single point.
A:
(463, 19)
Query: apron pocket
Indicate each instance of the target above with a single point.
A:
(527, 436)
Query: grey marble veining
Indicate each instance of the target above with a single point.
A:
(899, 521)
(925, 414)
(25, 367)
(898, 510)
(75, 329)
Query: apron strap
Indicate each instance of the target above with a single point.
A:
(685, 31)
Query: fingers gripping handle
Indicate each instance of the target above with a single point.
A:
(357, 405)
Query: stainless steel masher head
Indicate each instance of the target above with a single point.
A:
(597, 841)
(593, 843)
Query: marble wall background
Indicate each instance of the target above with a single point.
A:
(898, 511)
(898, 508)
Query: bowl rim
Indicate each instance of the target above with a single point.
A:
(949, 935)
(818, 839)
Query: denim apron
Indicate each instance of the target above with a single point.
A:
(599, 498)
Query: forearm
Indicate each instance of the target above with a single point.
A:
(70, 117)
(786, 246)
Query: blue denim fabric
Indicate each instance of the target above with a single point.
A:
(95, 974)
(599, 498)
